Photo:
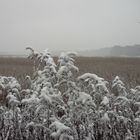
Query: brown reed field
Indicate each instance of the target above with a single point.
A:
(127, 68)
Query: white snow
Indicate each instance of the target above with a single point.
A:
(83, 97)
(60, 127)
(105, 101)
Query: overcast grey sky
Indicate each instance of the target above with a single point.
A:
(68, 24)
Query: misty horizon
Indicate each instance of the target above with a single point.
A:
(68, 25)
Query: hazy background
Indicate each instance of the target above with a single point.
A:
(67, 24)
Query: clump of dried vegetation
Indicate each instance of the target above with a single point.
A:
(58, 102)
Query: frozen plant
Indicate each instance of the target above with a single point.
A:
(58, 105)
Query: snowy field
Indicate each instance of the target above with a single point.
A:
(69, 98)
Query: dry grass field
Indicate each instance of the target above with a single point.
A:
(16, 67)
(127, 68)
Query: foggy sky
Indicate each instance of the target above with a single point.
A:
(68, 24)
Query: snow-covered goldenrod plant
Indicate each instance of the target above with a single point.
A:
(58, 105)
